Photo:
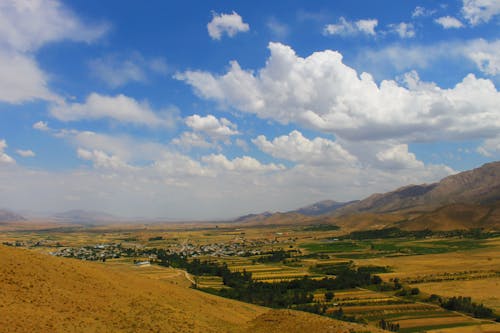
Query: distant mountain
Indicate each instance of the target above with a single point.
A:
(8, 216)
(253, 217)
(477, 186)
(321, 208)
(85, 217)
(467, 200)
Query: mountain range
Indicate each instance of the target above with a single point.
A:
(9, 216)
(470, 199)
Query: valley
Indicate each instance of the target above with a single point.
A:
(418, 270)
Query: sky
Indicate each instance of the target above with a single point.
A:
(215, 109)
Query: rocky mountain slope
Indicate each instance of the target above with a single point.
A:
(477, 186)
(321, 207)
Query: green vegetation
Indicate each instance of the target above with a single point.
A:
(386, 325)
(274, 256)
(321, 227)
(335, 246)
(465, 304)
(394, 232)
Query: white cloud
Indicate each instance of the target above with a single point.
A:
(398, 157)
(485, 55)
(117, 71)
(120, 107)
(240, 164)
(490, 147)
(278, 29)
(25, 26)
(229, 24)
(22, 80)
(25, 153)
(242, 144)
(102, 160)
(482, 53)
(4, 158)
(323, 93)
(480, 11)
(216, 129)
(134, 177)
(403, 29)
(297, 148)
(351, 28)
(449, 22)
(420, 11)
(188, 140)
(41, 126)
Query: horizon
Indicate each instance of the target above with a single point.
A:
(204, 111)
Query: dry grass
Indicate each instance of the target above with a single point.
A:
(39, 293)
(487, 328)
(485, 291)
(485, 259)
(421, 322)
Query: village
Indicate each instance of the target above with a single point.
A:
(103, 252)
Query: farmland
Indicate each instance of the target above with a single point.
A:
(434, 264)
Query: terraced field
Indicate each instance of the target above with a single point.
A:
(373, 306)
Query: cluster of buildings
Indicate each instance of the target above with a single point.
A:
(99, 252)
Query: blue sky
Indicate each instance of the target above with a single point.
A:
(202, 110)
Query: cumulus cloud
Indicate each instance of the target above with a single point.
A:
(41, 125)
(129, 176)
(120, 108)
(351, 28)
(486, 56)
(229, 24)
(25, 153)
(480, 11)
(403, 29)
(116, 71)
(102, 160)
(449, 22)
(297, 148)
(25, 27)
(189, 140)
(323, 93)
(4, 158)
(216, 129)
(398, 157)
(240, 164)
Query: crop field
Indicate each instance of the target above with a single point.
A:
(373, 306)
(483, 291)
(444, 266)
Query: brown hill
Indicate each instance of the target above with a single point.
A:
(8, 216)
(477, 186)
(454, 217)
(40, 293)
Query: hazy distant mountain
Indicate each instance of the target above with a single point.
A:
(477, 186)
(467, 200)
(253, 217)
(8, 216)
(321, 207)
(85, 217)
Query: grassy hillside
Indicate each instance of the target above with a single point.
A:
(40, 293)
